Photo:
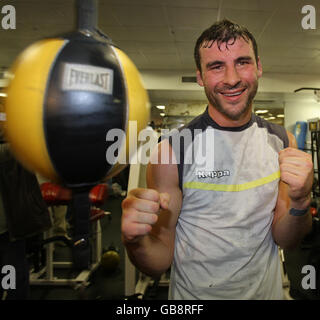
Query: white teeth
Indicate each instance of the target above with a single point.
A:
(232, 94)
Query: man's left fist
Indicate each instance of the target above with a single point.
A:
(296, 170)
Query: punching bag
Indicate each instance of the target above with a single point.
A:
(64, 95)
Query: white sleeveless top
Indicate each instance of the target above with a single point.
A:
(224, 247)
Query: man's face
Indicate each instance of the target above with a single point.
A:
(230, 77)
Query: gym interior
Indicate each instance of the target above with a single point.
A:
(158, 36)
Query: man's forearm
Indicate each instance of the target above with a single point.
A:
(149, 255)
(289, 230)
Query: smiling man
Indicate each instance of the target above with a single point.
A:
(220, 233)
(229, 77)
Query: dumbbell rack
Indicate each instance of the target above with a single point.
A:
(46, 276)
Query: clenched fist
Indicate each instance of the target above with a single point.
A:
(296, 170)
(140, 211)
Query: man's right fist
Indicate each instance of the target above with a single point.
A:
(140, 211)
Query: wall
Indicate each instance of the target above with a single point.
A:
(300, 111)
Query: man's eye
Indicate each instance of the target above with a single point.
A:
(216, 67)
(242, 63)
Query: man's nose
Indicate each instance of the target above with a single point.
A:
(231, 77)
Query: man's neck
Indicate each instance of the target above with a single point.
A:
(224, 121)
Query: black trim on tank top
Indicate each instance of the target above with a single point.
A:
(209, 121)
(273, 128)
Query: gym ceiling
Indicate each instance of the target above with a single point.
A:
(159, 35)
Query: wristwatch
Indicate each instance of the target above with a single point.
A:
(297, 212)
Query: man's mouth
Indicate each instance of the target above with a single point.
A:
(233, 93)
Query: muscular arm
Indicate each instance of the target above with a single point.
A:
(153, 253)
(288, 230)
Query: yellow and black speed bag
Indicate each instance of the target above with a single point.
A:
(64, 95)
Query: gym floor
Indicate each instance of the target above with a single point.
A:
(110, 286)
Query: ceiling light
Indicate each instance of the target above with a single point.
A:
(261, 111)
(270, 118)
(162, 114)
(3, 94)
(161, 107)
(280, 116)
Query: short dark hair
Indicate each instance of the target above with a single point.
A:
(222, 32)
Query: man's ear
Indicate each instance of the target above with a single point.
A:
(199, 78)
(259, 65)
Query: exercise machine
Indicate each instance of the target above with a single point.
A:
(55, 195)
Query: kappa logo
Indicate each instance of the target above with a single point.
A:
(87, 78)
(213, 174)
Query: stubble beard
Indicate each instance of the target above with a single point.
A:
(235, 116)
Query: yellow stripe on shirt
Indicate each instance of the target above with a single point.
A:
(232, 187)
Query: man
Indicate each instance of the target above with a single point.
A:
(23, 214)
(219, 232)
